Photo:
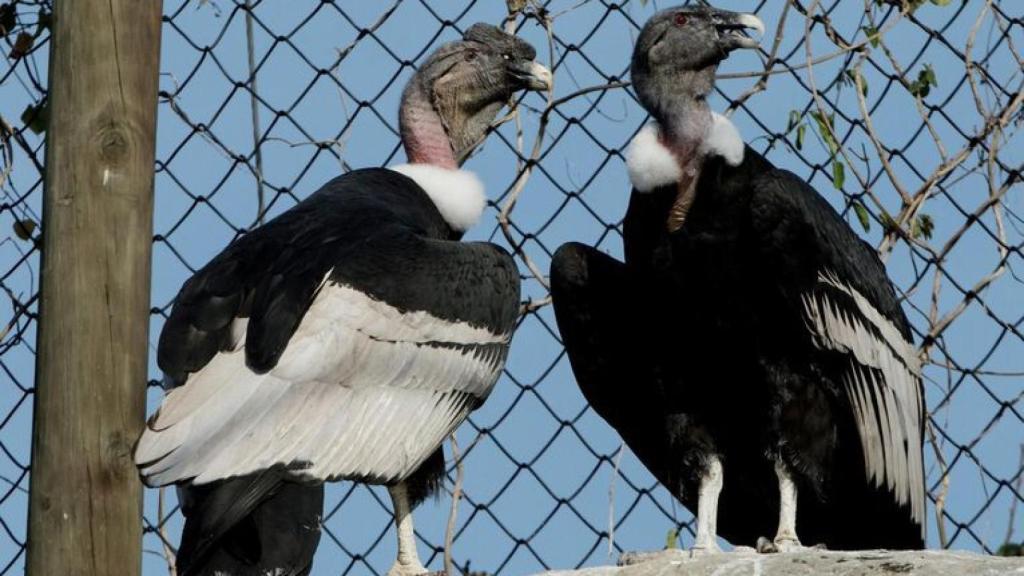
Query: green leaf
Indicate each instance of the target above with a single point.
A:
(862, 216)
(800, 131)
(923, 227)
(926, 78)
(35, 117)
(858, 80)
(515, 6)
(910, 5)
(819, 118)
(8, 19)
(838, 174)
(941, 2)
(873, 36)
(824, 122)
(672, 539)
(888, 223)
(794, 119)
(24, 228)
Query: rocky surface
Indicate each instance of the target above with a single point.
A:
(809, 563)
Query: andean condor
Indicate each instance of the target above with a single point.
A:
(751, 350)
(345, 338)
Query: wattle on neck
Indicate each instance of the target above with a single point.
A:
(423, 134)
(433, 164)
(684, 130)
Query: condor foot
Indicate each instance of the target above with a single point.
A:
(784, 545)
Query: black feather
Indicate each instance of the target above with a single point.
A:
(697, 345)
(372, 230)
(256, 524)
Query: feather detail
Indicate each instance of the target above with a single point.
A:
(458, 194)
(363, 390)
(723, 139)
(882, 384)
(652, 165)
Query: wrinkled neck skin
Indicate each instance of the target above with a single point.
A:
(438, 131)
(684, 117)
(443, 130)
(423, 134)
(683, 133)
(685, 128)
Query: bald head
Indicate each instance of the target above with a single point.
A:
(679, 49)
(466, 83)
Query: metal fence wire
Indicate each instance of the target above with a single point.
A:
(905, 114)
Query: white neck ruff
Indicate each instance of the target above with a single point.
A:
(651, 165)
(458, 194)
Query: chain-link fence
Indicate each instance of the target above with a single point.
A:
(902, 113)
(24, 42)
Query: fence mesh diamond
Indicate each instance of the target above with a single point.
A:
(905, 114)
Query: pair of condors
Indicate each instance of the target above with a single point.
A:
(750, 350)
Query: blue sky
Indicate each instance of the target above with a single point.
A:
(539, 480)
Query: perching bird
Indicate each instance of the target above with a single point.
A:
(345, 338)
(751, 350)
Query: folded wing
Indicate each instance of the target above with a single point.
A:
(331, 346)
(840, 287)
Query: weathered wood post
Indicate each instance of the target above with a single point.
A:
(85, 505)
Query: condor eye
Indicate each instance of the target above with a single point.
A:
(681, 19)
(470, 55)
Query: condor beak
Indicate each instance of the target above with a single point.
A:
(532, 75)
(731, 27)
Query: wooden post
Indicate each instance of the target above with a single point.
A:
(85, 506)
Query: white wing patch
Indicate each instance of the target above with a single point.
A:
(363, 390)
(883, 385)
(458, 194)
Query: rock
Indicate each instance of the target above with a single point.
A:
(808, 563)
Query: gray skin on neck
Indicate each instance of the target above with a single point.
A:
(452, 100)
(675, 61)
(673, 71)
